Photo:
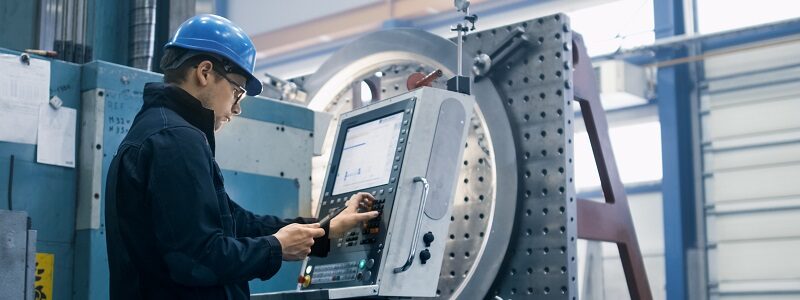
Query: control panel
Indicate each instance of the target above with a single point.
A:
(405, 151)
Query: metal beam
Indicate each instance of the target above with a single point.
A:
(676, 103)
(345, 24)
(300, 60)
(610, 220)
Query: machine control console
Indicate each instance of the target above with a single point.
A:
(405, 151)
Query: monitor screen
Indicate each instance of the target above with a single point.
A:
(367, 154)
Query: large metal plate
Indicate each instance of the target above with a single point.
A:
(535, 82)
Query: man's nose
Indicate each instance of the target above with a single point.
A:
(237, 109)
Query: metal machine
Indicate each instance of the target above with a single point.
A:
(406, 152)
(514, 221)
(65, 204)
(513, 214)
(512, 231)
(17, 256)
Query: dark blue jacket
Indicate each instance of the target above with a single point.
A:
(172, 231)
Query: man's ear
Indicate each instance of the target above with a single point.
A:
(203, 73)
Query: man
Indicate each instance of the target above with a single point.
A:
(172, 231)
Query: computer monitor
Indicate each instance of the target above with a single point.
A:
(367, 153)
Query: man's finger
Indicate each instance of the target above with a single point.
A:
(317, 232)
(365, 216)
(366, 195)
(311, 225)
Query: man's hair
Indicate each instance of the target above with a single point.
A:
(177, 74)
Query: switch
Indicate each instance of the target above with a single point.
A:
(424, 256)
(370, 263)
(304, 280)
(428, 239)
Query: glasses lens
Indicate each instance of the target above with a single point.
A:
(239, 93)
(238, 90)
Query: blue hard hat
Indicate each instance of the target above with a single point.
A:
(217, 35)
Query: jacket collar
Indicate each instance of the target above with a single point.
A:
(182, 103)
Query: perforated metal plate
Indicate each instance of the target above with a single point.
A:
(535, 82)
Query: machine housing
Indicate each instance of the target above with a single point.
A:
(426, 130)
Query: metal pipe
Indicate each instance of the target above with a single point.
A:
(84, 31)
(10, 182)
(681, 40)
(62, 24)
(142, 33)
(74, 37)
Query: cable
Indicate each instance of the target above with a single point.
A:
(10, 181)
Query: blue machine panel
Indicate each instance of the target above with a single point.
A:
(49, 193)
(46, 192)
(266, 195)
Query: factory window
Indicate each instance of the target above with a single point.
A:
(637, 149)
(616, 25)
(721, 15)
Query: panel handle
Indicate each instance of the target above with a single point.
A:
(420, 212)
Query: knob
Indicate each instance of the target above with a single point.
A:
(304, 280)
(424, 256)
(367, 275)
(428, 239)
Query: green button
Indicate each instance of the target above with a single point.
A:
(362, 263)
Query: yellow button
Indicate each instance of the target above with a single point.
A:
(306, 281)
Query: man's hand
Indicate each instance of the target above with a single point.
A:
(297, 239)
(350, 217)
